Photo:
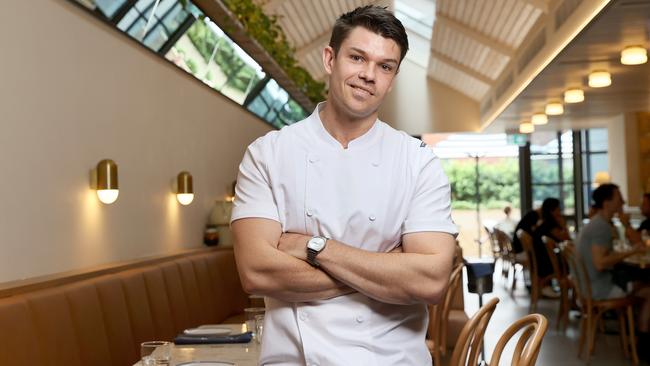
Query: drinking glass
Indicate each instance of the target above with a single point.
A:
(250, 318)
(155, 353)
(259, 327)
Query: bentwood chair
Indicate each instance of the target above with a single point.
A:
(468, 346)
(530, 342)
(536, 283)
(494, 244)
(510, 258)
(593, 310)
(560, 273)
(439, 316)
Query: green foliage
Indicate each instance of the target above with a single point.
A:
(498, 183)
(240, 75)
(192, 66)
(269, 34)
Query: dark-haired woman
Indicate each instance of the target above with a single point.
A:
(553, 227)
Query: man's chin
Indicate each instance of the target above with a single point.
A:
(361, 111)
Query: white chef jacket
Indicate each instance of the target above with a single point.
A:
(384, 185)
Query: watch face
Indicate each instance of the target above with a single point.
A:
(316, 243)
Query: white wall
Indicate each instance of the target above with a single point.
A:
(72, 92)
(418, 105)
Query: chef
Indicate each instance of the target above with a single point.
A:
(342, 222)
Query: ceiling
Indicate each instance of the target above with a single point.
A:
(474, 40)
(598, 46)
(308, 25)
(492, 52)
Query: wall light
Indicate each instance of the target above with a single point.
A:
(526, 127)
(554, 109)
(107, 186)
(600, 79)
(574, 95)
(634, 55)
(185, 190)
(539, 119)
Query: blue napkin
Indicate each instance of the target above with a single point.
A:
(213, 339)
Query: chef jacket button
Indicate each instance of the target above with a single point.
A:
(372, 218)
(302, 316)
(359, 319)
(375, 163)
(309, 213)
(313, 159)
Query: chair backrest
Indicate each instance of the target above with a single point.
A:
(471, 336)
(494, 244)
(439, 314)
(503, 240)
(551, 247)
(527, 243)
(527, 348)
(578, 274)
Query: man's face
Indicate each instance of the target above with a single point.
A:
(645, 206)
(362, 72)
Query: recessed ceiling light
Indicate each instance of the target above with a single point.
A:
(634, 55)
(554, 109)
(526, 127)
(600, 79)
(574, 96)
(539, 119)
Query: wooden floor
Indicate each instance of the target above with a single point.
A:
(559, 348)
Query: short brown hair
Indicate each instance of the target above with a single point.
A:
(376, 19)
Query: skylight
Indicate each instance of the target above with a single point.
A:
(418, 17)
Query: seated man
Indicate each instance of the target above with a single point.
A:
(595, 247)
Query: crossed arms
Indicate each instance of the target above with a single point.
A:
(273, 263)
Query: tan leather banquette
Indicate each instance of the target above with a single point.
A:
(100, 317)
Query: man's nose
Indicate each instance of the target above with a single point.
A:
(368, 72)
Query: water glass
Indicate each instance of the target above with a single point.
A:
(259, 327)
(155, 353)
(250, 318)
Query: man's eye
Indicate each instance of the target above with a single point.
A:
(387, 67)
(356, 58)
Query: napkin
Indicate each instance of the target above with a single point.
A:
(213, 339)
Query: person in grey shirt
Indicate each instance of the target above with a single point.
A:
(595, 242)
(595, 247)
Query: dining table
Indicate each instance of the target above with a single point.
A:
(239, 354)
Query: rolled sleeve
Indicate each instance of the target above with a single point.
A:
(430, 209)
(253, 194)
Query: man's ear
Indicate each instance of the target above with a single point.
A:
(329, 56)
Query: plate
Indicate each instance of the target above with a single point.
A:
(208, 331)
(205, 363)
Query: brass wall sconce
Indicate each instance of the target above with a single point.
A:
(106, 181)
(184, 188)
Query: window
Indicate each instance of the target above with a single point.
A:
(594, 160)
(191, 41)
(551, 155)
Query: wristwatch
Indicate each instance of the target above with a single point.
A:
(315, 245)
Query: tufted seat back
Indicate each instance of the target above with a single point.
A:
(101, 320)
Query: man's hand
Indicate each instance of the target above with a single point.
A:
(294, 245)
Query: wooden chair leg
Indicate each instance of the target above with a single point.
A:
(623, 331)
(534, 296)
(632, 338)
(591, 335)
(581, 338)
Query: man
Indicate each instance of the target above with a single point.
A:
(342, 222)
(595, 246)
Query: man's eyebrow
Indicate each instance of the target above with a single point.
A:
(362, 52)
